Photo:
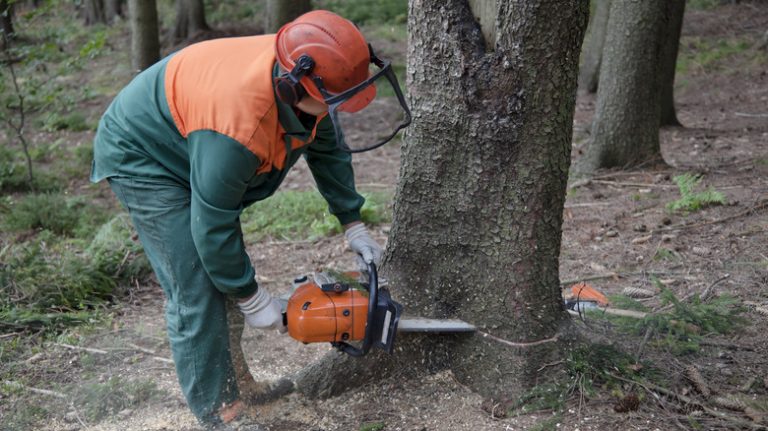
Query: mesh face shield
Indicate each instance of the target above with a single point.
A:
(361, 122)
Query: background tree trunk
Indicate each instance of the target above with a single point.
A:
(190, 19)
(94, 12)
(112, 10)
(669, 49)
(145, 43)
(280, 12)
(6, 19)
(478, 211)
(625, 130)
(592, 54)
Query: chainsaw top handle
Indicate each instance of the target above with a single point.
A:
(373, 298)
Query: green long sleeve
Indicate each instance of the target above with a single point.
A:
(220, 171)
(332, 169)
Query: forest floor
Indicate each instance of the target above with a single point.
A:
(617, 234)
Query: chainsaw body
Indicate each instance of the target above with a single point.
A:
(339, 308)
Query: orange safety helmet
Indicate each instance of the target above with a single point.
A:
(340, 53)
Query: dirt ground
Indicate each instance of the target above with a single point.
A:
(614, 227)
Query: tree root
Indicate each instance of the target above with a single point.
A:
(337, 372)
(475, 362)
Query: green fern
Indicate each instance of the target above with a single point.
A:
(691, 200)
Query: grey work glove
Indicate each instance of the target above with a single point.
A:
(261, 311)
(367, 249)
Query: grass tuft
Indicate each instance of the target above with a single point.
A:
(55, 212)
(691, 200)
(587, 367)
(663, 253)
(375, 426)
(298, 215)
(52, 283)
(549, 424)
(710, 55)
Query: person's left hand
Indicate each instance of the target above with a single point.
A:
(367, 249)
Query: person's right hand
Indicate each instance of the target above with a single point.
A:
(361, 242)
(262, 311)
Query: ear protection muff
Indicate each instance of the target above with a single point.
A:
(288, 86)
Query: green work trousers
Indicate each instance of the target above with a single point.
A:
(195, 312)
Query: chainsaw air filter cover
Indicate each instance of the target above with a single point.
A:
(327, 309)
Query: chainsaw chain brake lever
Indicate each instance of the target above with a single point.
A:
(382, 320)
(373, 299)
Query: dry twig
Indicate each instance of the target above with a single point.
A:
(760, 206)
(83, 349)
(724, 345)
(616, 312)
(745, 114)
(47, 392)
(651, 388)
(626, 184)
(707, 292)
(617, 275)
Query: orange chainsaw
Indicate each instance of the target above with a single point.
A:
(341, 308)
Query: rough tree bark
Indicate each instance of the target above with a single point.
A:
(190, 19)
(478, 211)
(592, 54)
(94, 12)
(280, 12)
(625, 130)
(145, 43)
(6, 20)
(112, 10)
(101, 11)
(671, 42)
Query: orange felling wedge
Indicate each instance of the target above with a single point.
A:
(584, 292)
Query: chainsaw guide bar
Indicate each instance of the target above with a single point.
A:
(418, 324)
(353, 307)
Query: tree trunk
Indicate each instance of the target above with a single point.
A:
(478, 211)
(669, 49)
(280, 12)
(625, 130)
(6, 16)
(94, 12)
(190, 19)
(112, 10)
(592, 54)
(145, 44)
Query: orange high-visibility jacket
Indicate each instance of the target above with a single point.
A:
(207, 118)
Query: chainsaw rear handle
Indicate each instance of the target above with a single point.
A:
(373, 299)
